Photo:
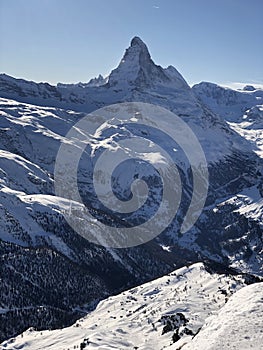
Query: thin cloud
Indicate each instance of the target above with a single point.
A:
(156, 7)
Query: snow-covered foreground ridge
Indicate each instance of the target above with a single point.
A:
(238, 324)
(183, 310)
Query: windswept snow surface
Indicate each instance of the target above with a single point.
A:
(237, 326)
(148, 316)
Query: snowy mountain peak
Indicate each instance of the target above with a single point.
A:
(136, 41)
(135, 62)
(137, 50)
(137, 69)
(97, 81)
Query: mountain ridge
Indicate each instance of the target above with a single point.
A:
(172, 312)
(41, 251)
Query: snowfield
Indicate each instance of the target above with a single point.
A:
(189, 309)
(237, 326)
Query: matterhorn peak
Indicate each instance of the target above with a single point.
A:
(137, 70)
(137, 54)
(136, 41)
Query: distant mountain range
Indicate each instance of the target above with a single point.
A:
(50, 275)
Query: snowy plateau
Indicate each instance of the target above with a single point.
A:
(198, 290)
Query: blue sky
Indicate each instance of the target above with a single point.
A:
(75, 40)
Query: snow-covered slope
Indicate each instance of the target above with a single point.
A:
(228, 103)
(238, 324)
(171, 309)
(36, 242)
(242, 109)
(251, 128)
(35, 133)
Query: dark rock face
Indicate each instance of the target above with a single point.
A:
(173, 322)
(249, 88)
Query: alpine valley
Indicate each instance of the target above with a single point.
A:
(197, 290)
